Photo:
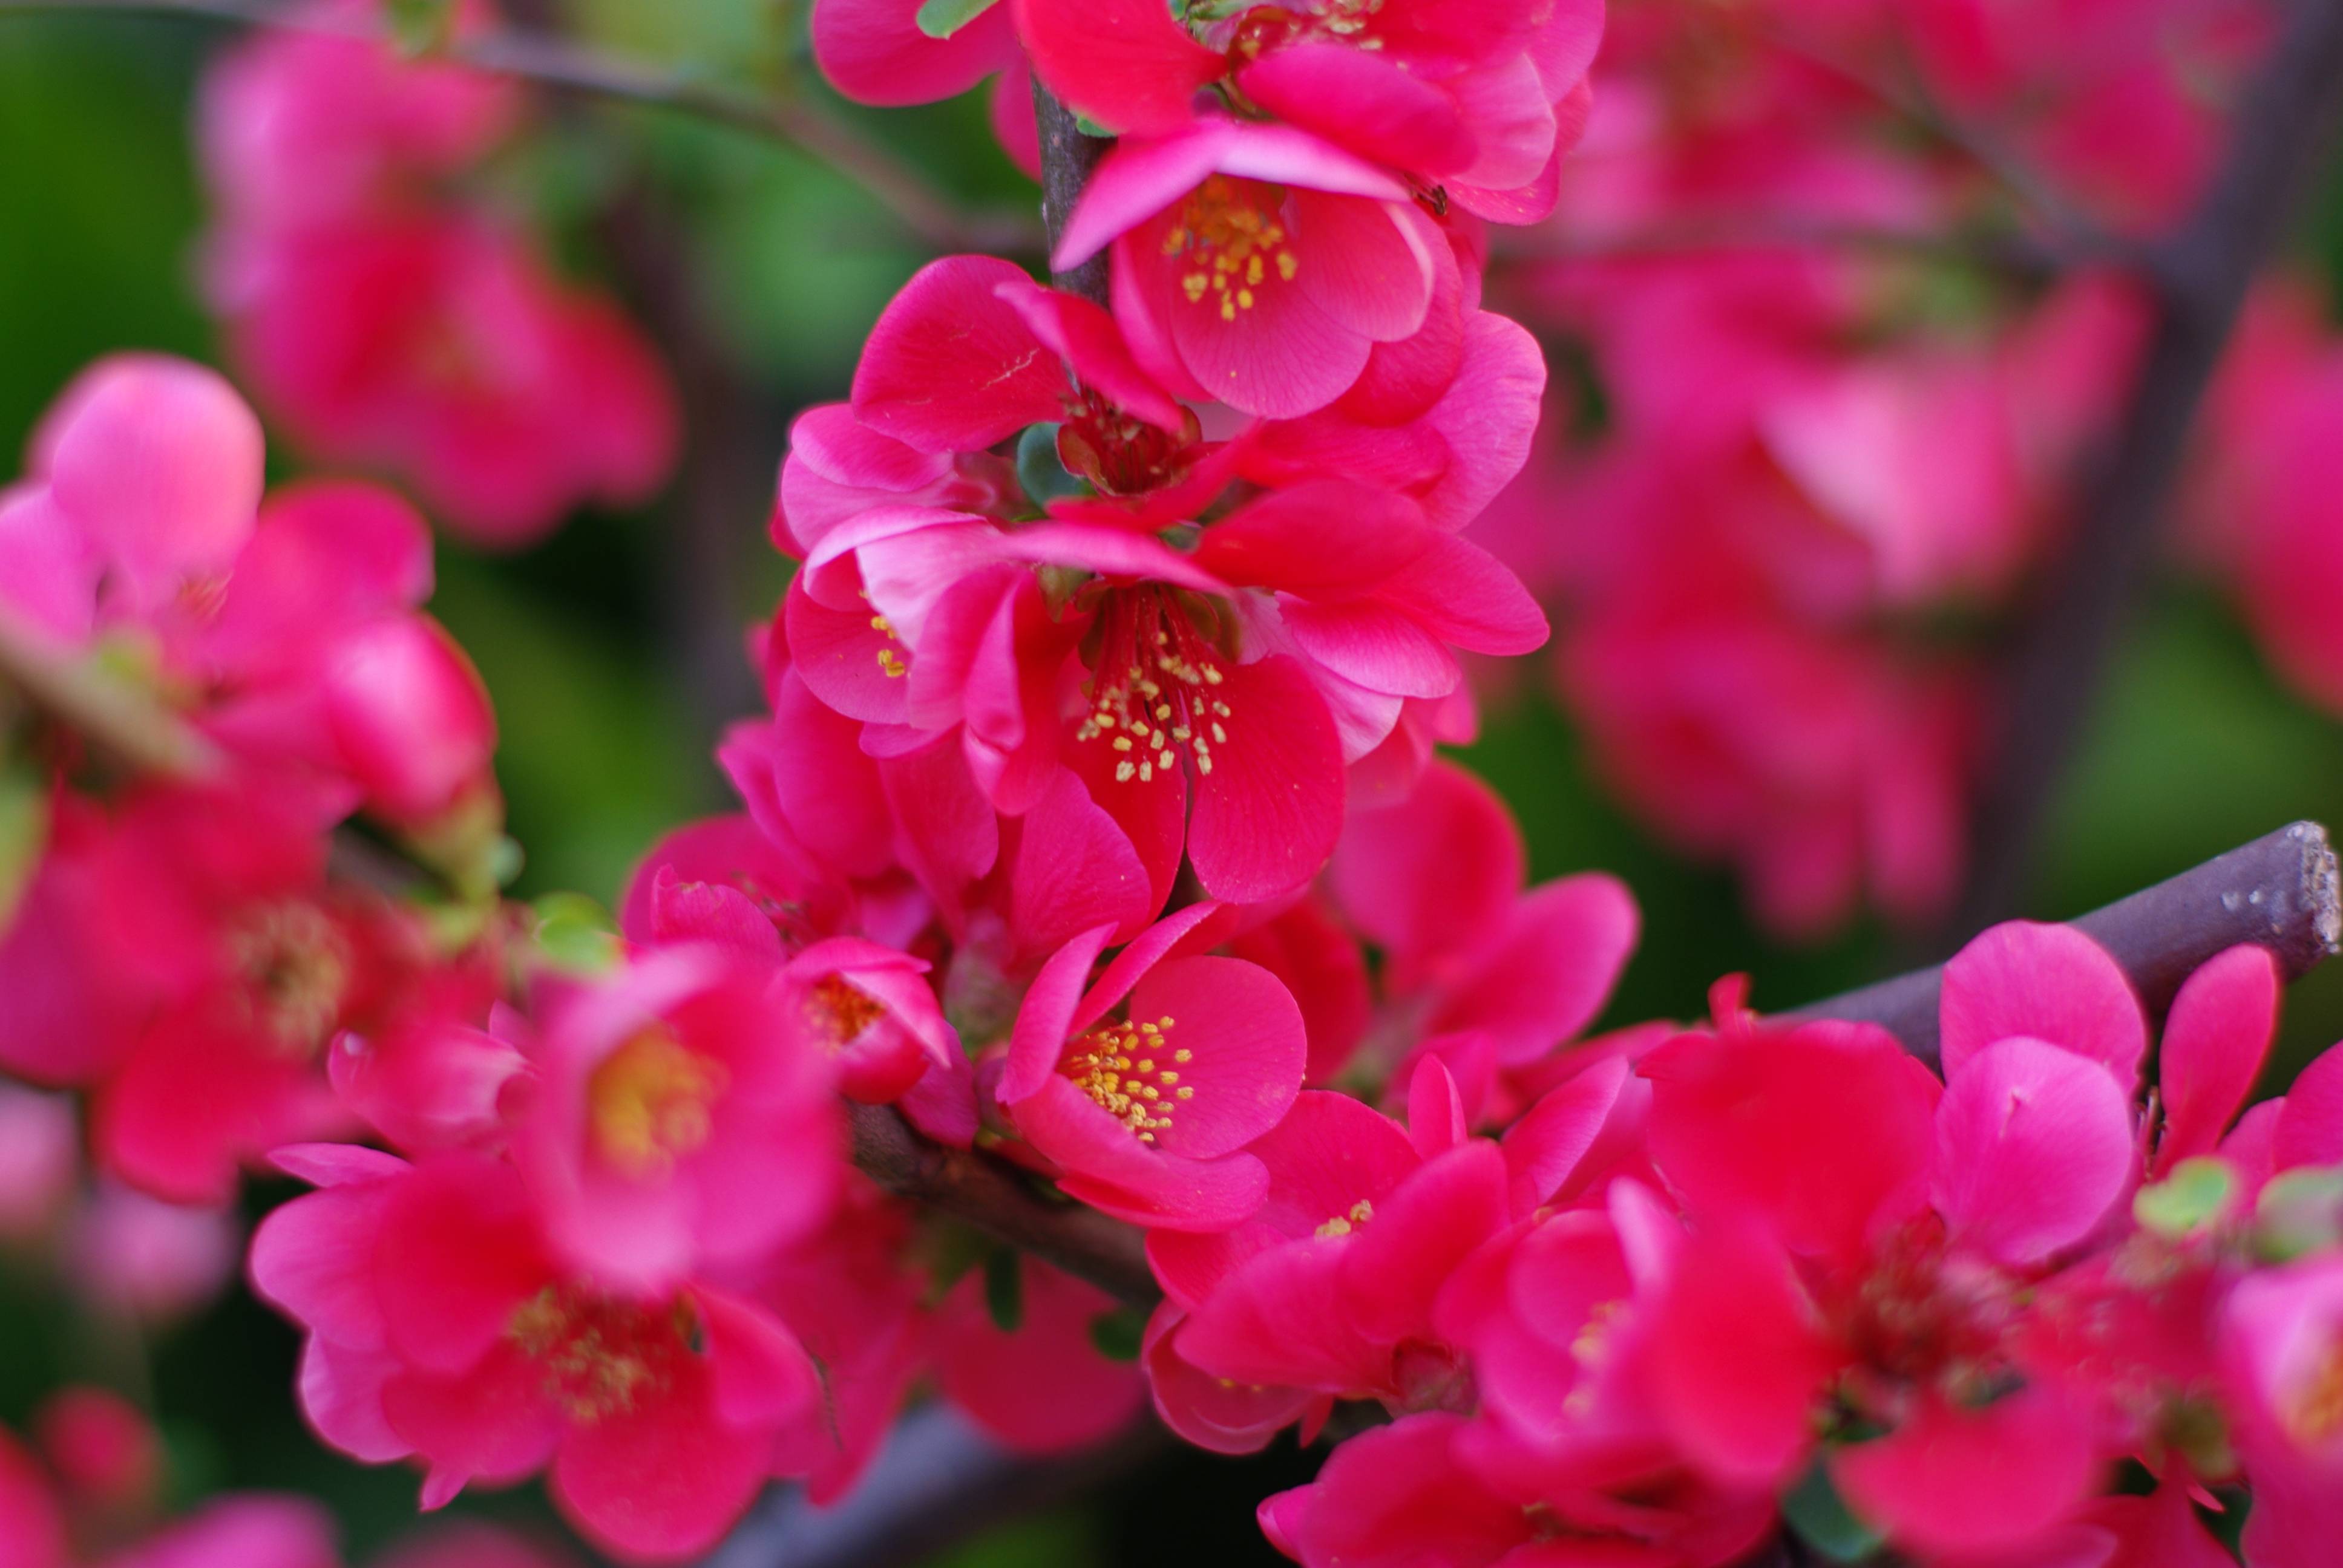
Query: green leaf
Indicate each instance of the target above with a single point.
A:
(1090, 127)
(1118, 1333)
(1040, 468)
(942, 18)
(23, 829)
(420, 26)
(576, 934)
(2298, 1213)
(1004, 1290)
(2189, 1201)
(1821, 1517)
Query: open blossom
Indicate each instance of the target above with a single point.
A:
(1143, 1087)
(1256, 264)
(442, 1326)
(1479, 100)
(679, 1116)
(386, 322)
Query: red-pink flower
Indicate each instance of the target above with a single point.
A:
(1255, 264)
(1892, 1262)
(1042, 1385)
(682, 1117)
(442, 1327)
(1479, 100)
(437, 348)
(1143, 1087)
(2281, 1343)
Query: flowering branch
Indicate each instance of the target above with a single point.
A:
(2200, 274)
(2281, 890)
(566, 66)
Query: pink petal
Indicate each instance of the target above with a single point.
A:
(1108, 1168)
(2216, 1039)
(873, 51)
(1126, 64)
(1279, 1322)
(2034, 1146)
(1074, 869)
(1268, 814)
(1086, 337)
(1512, 119)
(2046, 982)
(1549, 970)
(1144, 951)
(1046, 1387)
(1366, 102)
(2309, 1129)
(457, 1256)
(1436, 1111)
(762, 1374)
(1487, 419)
(1436, 874)
(160, 461)
(1399, 1259)
(1545, 1146)
(1278, 539)
(1281, 359)
(1248, 1052)
(1971, 1483)
(1374, 646)
(1045, 1021)
(951, 366)
(664, 1480)
(1738, 1360)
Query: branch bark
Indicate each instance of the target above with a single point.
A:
(1069, 157)
(2200, 274)
(559, 63)
(109, 713)
(2281, 890)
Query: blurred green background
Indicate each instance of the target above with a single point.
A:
(612, 661)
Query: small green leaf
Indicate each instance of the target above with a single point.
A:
(420, 26)
(2189, 1201)
(23, 829)
(1004, 1290)
(1090, 127)
(1118, 1333)
(2298, 1213)
(1823, 1521)
(942, 18)
(576, 934)
(1040, 468)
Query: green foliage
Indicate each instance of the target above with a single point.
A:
(2190, 1201)
(1821, 1518)
(1119, 1333)
(942, 18)
(1004, 1290)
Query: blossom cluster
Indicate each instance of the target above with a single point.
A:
(1844, 382)
(386, 317)
(1094, 829)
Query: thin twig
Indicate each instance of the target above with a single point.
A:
(566, 66)
(2200, 273)
(103, 709)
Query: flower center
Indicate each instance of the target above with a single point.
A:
(649, 1102)
(1344, 1223)
(1154, 692)
(296, 968)
(840, 1012)
(601, 1357)
(1231, 243)
(1132, 1072)
(1121, 455)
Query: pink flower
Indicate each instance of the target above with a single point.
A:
(1146, 1116)
(1256, 263)
(127, 1252)
(1044, 1386)
(1893, 1262)
(441, 1327)
(1478, 100)
(682, 1117)
(439, 348)
(1434, 881)
(40, 1160)
(104, 1449)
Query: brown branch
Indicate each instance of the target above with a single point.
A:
(563, 65)
(1003, 1202)
(1069, 157)
(2280, 891)
(2200, 273)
